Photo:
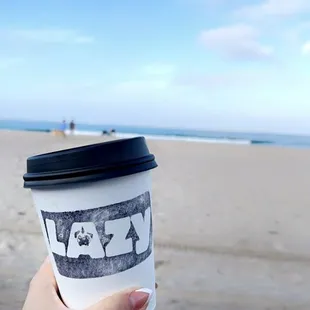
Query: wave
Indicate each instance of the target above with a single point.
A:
(183, 138)
(84, 133)
(38, 130)
(167, 137)
(261, 142)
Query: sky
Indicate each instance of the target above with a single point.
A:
(207, 64)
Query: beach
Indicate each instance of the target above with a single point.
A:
(231, 223)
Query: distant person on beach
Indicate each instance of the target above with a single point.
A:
(109, 133)
(63, 127)
(72, 127)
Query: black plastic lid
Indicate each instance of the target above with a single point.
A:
(89, 163)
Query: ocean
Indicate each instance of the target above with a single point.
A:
(167, 134)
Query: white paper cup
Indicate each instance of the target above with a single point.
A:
(98, 232)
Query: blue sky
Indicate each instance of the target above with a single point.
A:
(210, 64)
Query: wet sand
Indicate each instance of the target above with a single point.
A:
(231, 223)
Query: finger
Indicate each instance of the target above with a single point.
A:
(126, 300)
(43, 290)
(45, 274)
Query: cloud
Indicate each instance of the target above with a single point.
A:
(157, 69)
(305, 49)
(229, 80)
(298, 33)
(207, 82)
(148, 78)
(48, 36)
(281, 8)
(237, 42)
(151, 77)
(212, 5)
(143, 84)
(141, 87)
(8, 62)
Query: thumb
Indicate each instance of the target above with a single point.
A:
(125, 300)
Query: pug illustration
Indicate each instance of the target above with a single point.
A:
(83, 237)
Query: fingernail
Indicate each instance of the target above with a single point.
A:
(140, 298)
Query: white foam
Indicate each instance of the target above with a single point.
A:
(161, 137)
(84, 133)
(190, 139)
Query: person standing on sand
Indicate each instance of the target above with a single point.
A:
(72, 127)
(63, 127)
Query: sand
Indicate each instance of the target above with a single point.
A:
(231, 223)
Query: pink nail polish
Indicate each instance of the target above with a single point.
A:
(140, 298)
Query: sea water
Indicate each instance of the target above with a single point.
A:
(204, 136)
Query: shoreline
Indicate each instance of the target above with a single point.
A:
(122, 135)
(206, 136)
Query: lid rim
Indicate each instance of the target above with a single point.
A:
(87, 163)
(86, 170)
(96, 177)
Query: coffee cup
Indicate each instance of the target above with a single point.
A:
(94, 206)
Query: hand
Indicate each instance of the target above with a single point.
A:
(43, 294)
